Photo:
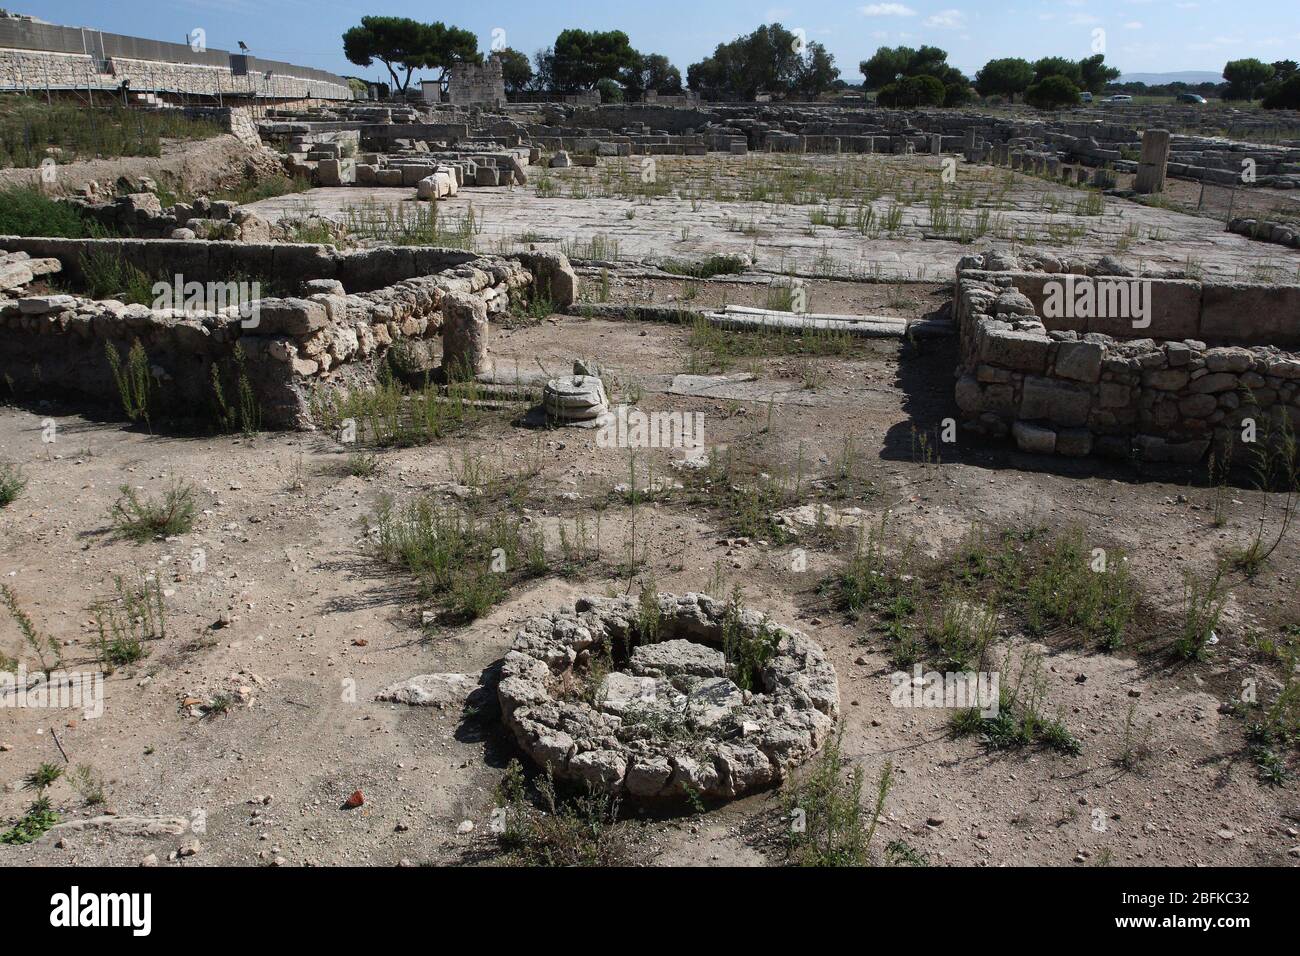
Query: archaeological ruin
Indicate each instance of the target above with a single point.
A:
(495, 460)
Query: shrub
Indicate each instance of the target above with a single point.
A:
(12, 483)
(706, 268)
(109, 276)
(142, 520)
(828, 826)
(1284, 96)
(26, 211)
(580, 831)
(1052, 92)
(912, 91)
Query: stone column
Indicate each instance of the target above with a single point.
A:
(464, 335)
(936, 144)
(1151, 167)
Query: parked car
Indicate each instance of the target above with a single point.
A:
(1085, 97)
(1190, 98)
(1119, 98)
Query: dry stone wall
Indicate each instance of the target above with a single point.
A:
(1208, 360)
(346, 312)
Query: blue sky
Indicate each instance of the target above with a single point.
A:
(1138, 35)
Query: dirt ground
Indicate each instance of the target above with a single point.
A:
(293, 606)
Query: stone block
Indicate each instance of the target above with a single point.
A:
(1113, 395)
(1008, 348)
(1152, 162)
(336, 172)
(292, 316)
(1213, 383)
(1057, 402)
(1074, 442)
(1034, 438)
(1157, 449)
(1250, 314)
(1080, 361)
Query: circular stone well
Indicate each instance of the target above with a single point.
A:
(587, 693)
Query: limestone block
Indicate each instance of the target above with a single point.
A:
(1058, 402)
(1153, 161)
(1034, 438)
(1008, 348)
(296, 317)
(464, 334)
(1080, 361)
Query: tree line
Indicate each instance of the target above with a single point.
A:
(780, 62)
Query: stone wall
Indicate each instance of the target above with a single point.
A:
(37, 56)
(474, 84)
(1078, 387)
(344, 314)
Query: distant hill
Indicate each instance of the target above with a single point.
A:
(1191, 77)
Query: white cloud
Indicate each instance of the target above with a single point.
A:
(1133, 25)
(948, 19)
(886, 10)
(1082, 19)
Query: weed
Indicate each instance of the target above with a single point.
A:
(578, 831)
(39, 645)
(747, 647)
(392, 416)
(26, 211)
(143, 520)
(466, 562)
(1203, 604)
(1019, 721)
(134, 381)
(38, 820)
(706, 268)
(829, 826)
(412, 225)
(1276, 464)
(246, 414)
(108, 275)
(1135, 750)
(12, 483)
(133, 616)
(85, 781)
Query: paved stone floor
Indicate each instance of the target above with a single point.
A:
(808, 220)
